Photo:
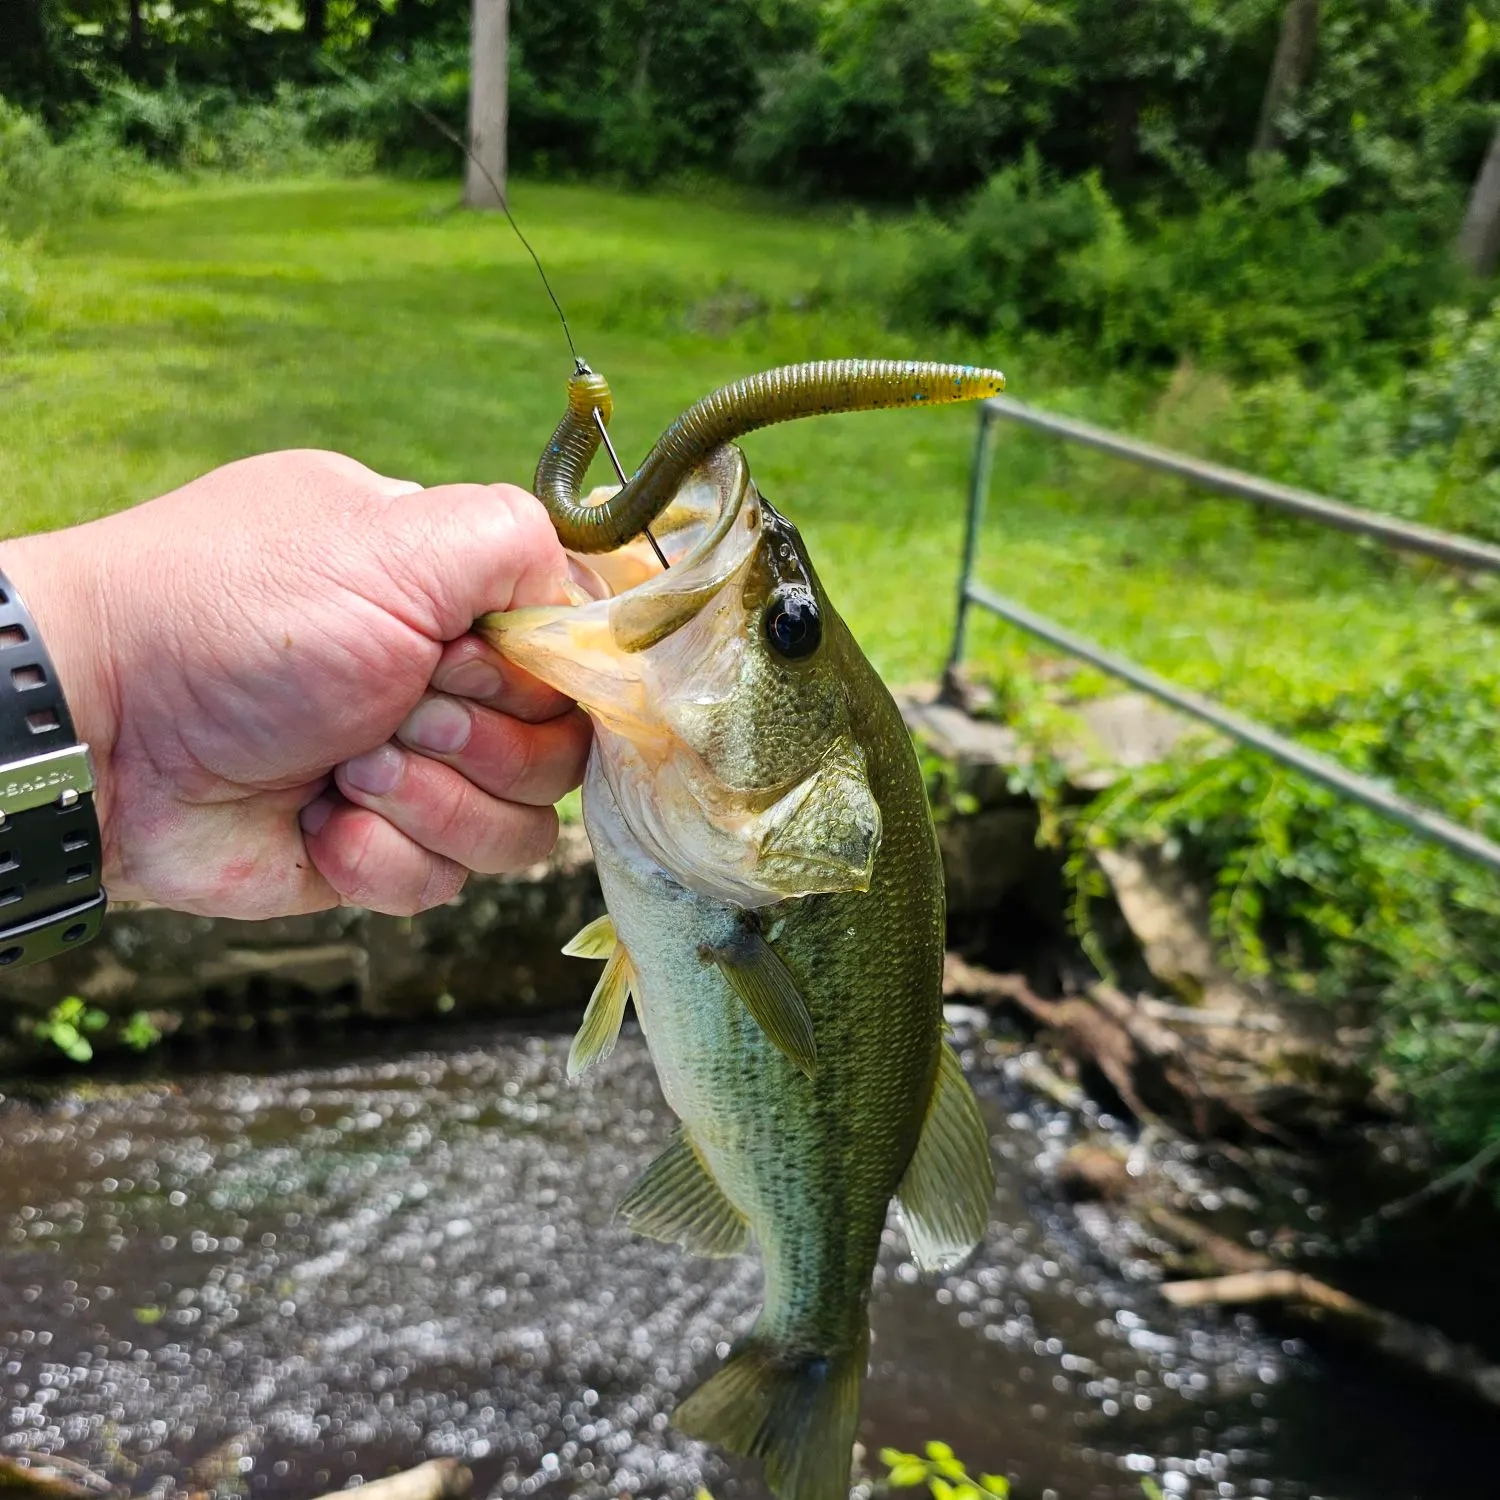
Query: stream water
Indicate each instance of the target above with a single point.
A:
(275, 1281)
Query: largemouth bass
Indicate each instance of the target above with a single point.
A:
(776, 913)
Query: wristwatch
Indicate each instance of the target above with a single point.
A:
(51, 891)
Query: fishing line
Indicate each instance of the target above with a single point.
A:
(447, 131)
(614, 458)
(443, 128)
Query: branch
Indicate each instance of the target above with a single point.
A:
(438, 1479)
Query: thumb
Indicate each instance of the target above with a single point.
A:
(458, 551)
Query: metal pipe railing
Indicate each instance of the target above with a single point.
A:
(1406, 536)
(1464, 551)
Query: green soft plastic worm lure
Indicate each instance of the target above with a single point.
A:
(819, 388)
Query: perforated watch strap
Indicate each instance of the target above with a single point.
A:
(51, 896)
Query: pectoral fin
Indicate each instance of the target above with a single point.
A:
(600, 1029)
(597, 940)
(945, 1194)
(677, 1200)
(770, 994)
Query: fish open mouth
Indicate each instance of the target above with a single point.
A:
(714, 781)
(622, 603)
(707, 534)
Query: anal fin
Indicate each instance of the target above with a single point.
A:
(600, 1028)
(770, 994)
(945, 1194)
(677, 1200)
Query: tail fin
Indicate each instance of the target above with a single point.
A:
(797, 1415)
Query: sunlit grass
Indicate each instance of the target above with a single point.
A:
(215, 320)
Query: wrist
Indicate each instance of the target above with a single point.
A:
(56, 576)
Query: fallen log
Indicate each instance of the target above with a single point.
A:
(1218, 1250)
(437, 1479)
(1252, 1278)
(1146, 1063)
(1242, 1287)
(47, 1478)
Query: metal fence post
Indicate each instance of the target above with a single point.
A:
(979, 488)
(1455, 550)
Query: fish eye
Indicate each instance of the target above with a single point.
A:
(793, 625)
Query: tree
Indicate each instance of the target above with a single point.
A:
(1289, 69)
(484, 182)
(314, 21)
(1479, 239)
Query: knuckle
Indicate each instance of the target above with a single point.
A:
(356, 866)
(533, 839)
(444, 880)
(518, 837)
(451, 813)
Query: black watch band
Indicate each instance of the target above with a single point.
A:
(51, 894)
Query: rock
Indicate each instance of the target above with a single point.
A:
(1122, 733)
(987, 856)
(1169, 918)
(1090, 1174)
(1285, 1051)
(495, 950)
(982, 752)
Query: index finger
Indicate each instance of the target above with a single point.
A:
(471, 668)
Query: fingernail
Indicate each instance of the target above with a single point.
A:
(376, 772)
(470, 679)
(586, 580)
(392, 488)
(315, 815)
(437, 724)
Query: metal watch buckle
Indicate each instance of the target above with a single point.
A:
(53, 933)
(60, 776)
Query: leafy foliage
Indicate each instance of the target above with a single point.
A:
(942, 1473)
(43, 181)
(70, 1024)
(1331, 900)
(1255, 279)
(213, 129)
(67, 1027)
(876, 99)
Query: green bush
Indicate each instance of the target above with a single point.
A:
(1255, 280)
(43, 181)
(1333, 901)
(17, 287)
(1456, 415)
(1007, 259)
(212, 129)
(1339, 438)
(1424, 445)
(386, 108)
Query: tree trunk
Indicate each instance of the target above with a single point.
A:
(1294, 54)
(484, 183)
(315, 22)
(1124, 135)
(137, 28)
(1479, 239)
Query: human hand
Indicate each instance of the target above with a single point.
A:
(274, 670)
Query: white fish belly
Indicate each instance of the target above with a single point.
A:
(748, 1110)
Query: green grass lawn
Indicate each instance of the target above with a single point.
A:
(219, 319)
